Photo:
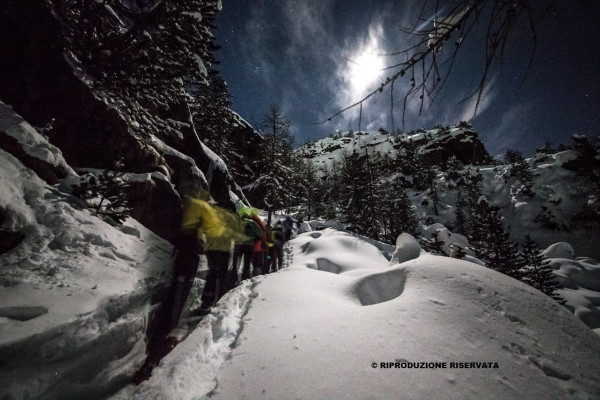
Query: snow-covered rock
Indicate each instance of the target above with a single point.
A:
(21, 140)
(434, 145)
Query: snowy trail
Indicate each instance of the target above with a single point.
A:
(191, 367)
(332, 323)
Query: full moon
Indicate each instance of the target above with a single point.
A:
(364, 71)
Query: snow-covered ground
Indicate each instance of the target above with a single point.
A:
(74, 301)
(341, 321)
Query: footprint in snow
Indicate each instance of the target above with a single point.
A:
(382, 287)
(436, 301)
(324, 264)
(22, 313)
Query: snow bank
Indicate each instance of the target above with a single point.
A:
(580, 283)
(72, 294)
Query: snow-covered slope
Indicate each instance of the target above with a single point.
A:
(73, 293)
(559, 194)
(560, 191)
(342, 322)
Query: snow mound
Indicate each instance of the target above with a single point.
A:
(580, 282)
(560, 250)
(318, 246)
(407, 248)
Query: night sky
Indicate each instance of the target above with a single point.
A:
(312, 58)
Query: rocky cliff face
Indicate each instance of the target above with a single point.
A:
(434, 146)
(43, 87)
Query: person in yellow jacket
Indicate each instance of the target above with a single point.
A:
(218, 229)
(206, 229)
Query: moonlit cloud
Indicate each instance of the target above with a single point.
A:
(472, 108)
(308, 22)
(504, 135)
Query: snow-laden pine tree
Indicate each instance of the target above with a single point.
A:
(352, 193)
(587, 164)
(373, 209)
(409, 157)
(490, 240)
(461, 213)
(397, 212)
(313, 195)
(273, 164)
(142, 57)
(425, 177)
(106, 193)
(453, 168)
(359, 195)
(331, 187)
(517, 166)
(537, 271)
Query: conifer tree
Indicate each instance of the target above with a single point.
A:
(352, 191)
(397, 213)
(518, 167)
(359, 194)
(312, 198)
(275, 176)
(537, 271)
(409, 157)
(491, 240)
(372, 210)
(472, 181)
(332, 192)
(106, 194)
(425, 177)
(141, 57)
(298, 185)
(407, 218)
(210, 110)
(454, 166)
(461, 213)
(587, 165)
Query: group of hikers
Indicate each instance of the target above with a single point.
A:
(233, 241)
(230, 241)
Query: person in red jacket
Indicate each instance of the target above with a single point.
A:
(260, 246)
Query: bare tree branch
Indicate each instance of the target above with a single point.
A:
(428, 37)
